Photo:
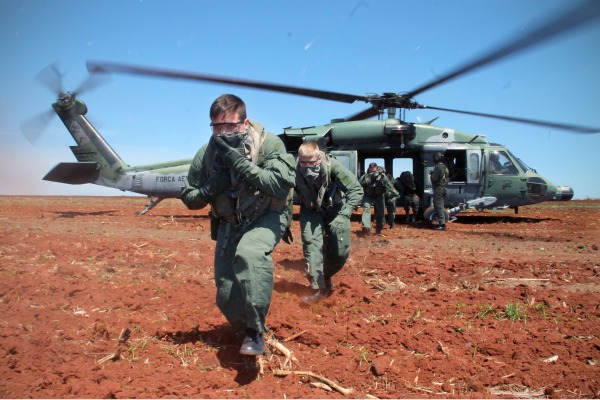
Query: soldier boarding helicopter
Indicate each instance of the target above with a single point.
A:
(478, 180)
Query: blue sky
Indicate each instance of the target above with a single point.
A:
(356, 47)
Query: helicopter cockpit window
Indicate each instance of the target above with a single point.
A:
(520, 162)
(501, 164)
(523, 166)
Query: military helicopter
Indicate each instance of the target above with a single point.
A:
(483, 174)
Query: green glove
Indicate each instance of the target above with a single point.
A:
(339, 223)
(214, 186)
(233, 158)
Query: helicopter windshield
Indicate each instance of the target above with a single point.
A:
(521, 163)
(501, 164)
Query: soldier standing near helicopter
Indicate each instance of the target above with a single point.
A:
(247, 177)
(328, 194)
(405, 184)
(391, 198)
(439, 180)
(374, 185)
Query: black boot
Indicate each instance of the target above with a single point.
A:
(254, 344)
(317, 296)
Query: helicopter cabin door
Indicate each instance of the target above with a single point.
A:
(474, 167)
(504, 180)
(348, 158)
(465, 174)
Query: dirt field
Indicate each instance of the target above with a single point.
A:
(500, 305)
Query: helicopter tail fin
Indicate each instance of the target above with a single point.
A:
(97, 162)
(74, 173)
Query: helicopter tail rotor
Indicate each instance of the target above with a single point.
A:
(92, 82)
(51, 78)
(32, 128)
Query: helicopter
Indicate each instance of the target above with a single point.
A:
(475, 182)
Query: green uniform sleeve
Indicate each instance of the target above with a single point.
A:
(276, 174)
(348, 183)
(390, 190)
(196, 177)
(361, 180)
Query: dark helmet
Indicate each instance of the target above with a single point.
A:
(437, 157)
(494, 156)
(372, 165)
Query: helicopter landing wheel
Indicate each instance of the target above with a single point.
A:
(430, 215)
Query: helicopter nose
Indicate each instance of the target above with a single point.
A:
(539, 188)
(563, 193)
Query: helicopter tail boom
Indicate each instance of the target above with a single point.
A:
(96, 156)
(99, 164)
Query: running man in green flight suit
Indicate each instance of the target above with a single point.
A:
(247, 177)
(328, 193)
(375, 183)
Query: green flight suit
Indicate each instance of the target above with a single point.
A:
(252, 214)
(325, 213)
(439, 182)
(391, 198)
(374, 185)
(405, 184)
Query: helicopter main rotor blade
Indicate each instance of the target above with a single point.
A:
(556, 125)
(563, 22)
(94, 67)
(368, 113)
